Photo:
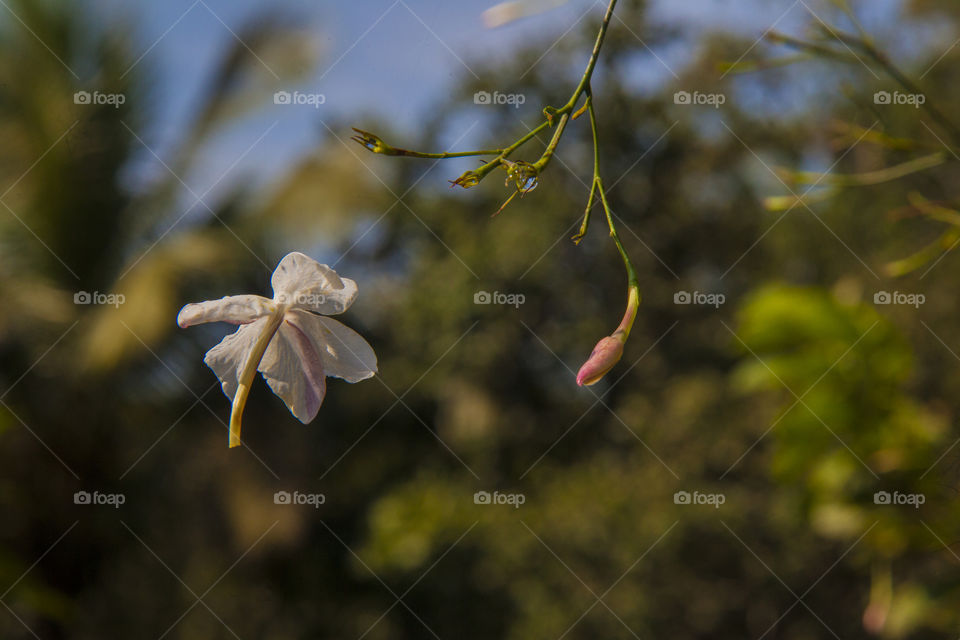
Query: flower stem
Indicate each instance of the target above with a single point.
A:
(594, 56)
(445, 155)
(540, 164)
(474, 176)
(249, 371)
(493, 164)
(633, 304)
(633, 285)
(582, 88)
(373, 143)
(632, 281)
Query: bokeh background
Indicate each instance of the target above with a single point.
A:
(788, 409)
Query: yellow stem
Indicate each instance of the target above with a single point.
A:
(633, 304)
(249, 371)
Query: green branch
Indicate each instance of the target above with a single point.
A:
(473, 177)
(632, 281)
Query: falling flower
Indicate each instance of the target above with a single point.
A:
(287, 339)
(609, 350)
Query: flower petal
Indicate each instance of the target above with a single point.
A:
(294, 370)
(228, 358)
(232, 309)
(303, 283)
(344, 352)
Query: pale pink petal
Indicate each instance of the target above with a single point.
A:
(227, 358)
(232, 309)
(294, 370)
(303, 283)
(344, 352)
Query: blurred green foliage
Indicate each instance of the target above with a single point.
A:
(797, 401)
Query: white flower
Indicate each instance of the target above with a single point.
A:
(287, 339)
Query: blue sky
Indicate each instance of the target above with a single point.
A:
(377, 57)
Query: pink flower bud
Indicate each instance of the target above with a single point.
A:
(608, 351)
(606, 354)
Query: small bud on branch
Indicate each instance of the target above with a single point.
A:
(609, 350)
